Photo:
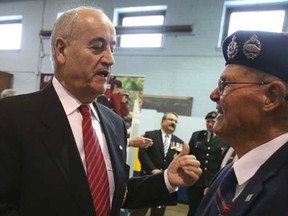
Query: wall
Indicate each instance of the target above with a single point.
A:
(188, 65)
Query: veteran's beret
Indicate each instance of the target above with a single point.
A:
(264, 51)
(212, 115)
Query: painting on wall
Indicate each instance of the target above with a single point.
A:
(180, 105)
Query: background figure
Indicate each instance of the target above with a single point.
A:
(7, 93)
(49, 146)
(154, 159)
(252, 103)
(124, 106)
(102, 99)
(116, 96)
(207, 147)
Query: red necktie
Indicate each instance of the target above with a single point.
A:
(95, 165)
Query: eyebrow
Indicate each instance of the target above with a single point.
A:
(95, 40)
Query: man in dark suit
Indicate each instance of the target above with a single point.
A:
(207, 148)
(42, 148)
(252, 103)
(157, 157)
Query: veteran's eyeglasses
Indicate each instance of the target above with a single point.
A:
(222, 84)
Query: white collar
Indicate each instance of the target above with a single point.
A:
(69, 102)
(249, 163)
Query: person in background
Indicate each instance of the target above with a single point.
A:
(7, 93)
(157, 157)
(207, 148)
(103, 99)
(138, 141)
(116, 96)
(124, 106)
(49, 146)
(252, 102)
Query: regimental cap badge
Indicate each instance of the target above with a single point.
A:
(252, 47)
(232, 48)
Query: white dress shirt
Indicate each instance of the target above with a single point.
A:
(71, 105)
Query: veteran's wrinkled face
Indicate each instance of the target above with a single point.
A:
(85, 61)
(238, 105)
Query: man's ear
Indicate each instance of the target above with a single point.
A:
(60, 48)
(275, 95)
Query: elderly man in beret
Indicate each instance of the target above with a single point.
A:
(207, 148)
(251, 99)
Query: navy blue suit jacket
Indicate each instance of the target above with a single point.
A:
(41, 169)
(266, 194)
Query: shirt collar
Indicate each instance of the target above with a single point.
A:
(165, 134)
(69, 102)
(249, 163)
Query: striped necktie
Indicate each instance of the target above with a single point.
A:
(166, 144)
(225, 192)
(95, 165)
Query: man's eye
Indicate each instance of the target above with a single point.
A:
(97, 47)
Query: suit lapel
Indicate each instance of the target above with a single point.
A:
(160, 140)
(117, 152)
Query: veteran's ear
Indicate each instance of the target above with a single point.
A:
(275, 95)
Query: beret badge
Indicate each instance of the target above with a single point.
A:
(252, 47)
(232, 48)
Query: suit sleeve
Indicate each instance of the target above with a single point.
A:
(147, 165)
(148, 191)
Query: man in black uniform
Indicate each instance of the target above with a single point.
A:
(207, 147)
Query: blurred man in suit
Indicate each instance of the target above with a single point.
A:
(47, 137)
(208, 148)
(157, 157)
(252, 103)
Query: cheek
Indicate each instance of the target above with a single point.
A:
(237, 115)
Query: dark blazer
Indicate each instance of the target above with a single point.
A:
(41, 170)
(153, 157)
(208, 153)
(265, 194)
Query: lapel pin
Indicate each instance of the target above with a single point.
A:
(120, 147)
(249, 197)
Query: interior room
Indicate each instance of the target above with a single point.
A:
(178, 74)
